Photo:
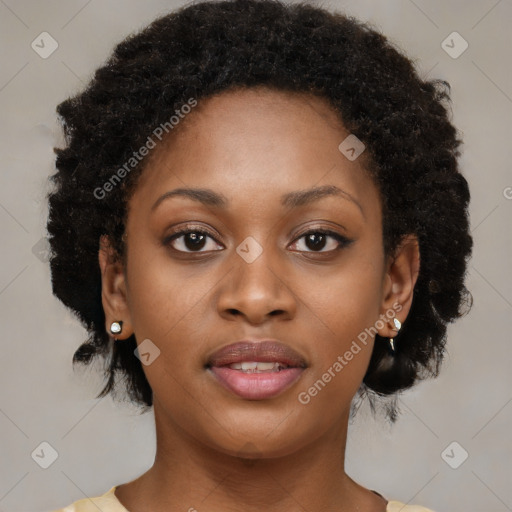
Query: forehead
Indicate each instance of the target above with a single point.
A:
(254, 143)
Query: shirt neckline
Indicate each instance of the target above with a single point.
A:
(112, 493)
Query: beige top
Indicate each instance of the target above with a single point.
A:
(108, 502)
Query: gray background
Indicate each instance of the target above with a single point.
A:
(101, 444)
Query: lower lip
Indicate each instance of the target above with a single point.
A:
(256, 386)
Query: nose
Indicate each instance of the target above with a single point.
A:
(257, 291)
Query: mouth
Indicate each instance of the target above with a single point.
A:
(256, 370)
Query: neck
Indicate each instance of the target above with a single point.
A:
(189, 475)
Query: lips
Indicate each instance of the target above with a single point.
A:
(256, 370)
(268, 351)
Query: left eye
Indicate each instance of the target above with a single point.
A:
(316, 241)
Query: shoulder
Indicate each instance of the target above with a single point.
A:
(109, 503)
(398, 506)
(106, 503)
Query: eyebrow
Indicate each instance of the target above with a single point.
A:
(294, 199)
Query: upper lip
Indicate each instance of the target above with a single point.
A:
(264, 351)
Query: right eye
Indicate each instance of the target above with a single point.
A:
(190, 240)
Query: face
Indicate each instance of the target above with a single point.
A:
(258, 257)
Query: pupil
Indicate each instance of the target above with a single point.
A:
(318, 244)
(197, 240)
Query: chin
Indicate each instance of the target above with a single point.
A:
(259, 440)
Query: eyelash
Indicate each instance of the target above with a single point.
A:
(342, 240)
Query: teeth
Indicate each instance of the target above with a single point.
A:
(256, 366)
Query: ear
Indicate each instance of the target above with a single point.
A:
(113, 290)
(399, 281)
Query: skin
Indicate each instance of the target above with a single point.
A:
(215, 450)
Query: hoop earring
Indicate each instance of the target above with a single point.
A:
(116, 327)
(398, 325)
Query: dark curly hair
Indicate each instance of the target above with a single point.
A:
(213, 46)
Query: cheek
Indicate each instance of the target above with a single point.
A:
(169, 306)
(347, 301)
(160, 292)
(345, 311)
(166, 303)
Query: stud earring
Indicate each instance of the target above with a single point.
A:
(398, 325)
(116, 327)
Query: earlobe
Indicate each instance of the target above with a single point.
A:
(113, 290)
(400, 279)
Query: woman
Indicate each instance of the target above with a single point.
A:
(254, 216)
